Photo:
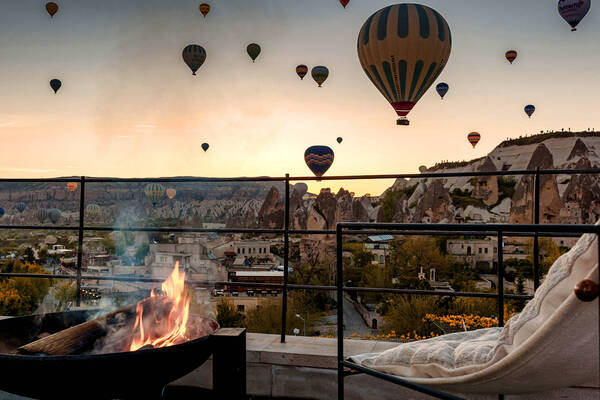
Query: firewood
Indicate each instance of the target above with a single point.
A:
(81, 338)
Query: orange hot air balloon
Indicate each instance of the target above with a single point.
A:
(474, 138)
(511, 55)
(171, 193)
(204, 9)
(72, 186)
(52, 8)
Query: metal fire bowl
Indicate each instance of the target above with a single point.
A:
(138, 374)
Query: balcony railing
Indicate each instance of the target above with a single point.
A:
(531, 230)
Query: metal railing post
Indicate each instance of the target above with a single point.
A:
(500, 274)
(286, 250)
(340, 310)
(536, 221)
(80, 239)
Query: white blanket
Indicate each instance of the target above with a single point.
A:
(552, 343)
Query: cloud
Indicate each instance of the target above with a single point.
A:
(7, 124)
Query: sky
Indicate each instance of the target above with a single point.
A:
(130, 107)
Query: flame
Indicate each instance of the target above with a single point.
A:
(165, 324)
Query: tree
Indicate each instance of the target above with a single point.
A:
(416, 252)
(21, 295)
(64, 293)
(228, 315)
(549, 252)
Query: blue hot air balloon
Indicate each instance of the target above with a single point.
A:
(573, 11)
(442, 89)
(205, 146)
(1, 212)
(55, 84)
(21, 207)
(318, 159)
(340, 139)
(529, 109)
(194, 56)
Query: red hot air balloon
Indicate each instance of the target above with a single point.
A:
(51, 8)
(511, 55)
(344, 3)
(474, 138)
(301, 70)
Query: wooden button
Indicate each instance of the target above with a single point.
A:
(586, 290)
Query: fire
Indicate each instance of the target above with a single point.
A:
(164, 323)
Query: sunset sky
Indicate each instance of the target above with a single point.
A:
(130, 107)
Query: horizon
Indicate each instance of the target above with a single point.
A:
(131, 108)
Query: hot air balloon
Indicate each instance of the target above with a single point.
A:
(339, 139)
(344, 2)
(422, 168)
(72, 186)
(1, 212)
(320, 74)
(41, 215)
(573, 11)
(474, 138)
(154, 192)
(21, 207)
(318, 159)
(52, 8)
(510, 55)
(403, 48)
(442, 89)
(55, 84)
(529, 109)
(194, 56)
(205, 146)
(171, 193)
(204, 9)
(54, 215)
(253, 51)
(301, 188)
(92, 210)
(301, 70)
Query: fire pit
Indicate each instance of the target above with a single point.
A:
(132, 351)
(131, 374)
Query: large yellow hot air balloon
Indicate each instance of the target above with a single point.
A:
(402, 49)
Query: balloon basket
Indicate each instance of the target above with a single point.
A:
(402, 121)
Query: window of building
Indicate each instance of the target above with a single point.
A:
(480, 250)
(240, 307)
(486, 250)
(243, 250)
(238, 250)
(495, 249)
(381, 260)
(265, 250)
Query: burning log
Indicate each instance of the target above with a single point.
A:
(81, 338)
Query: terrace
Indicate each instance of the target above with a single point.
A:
(286, 366)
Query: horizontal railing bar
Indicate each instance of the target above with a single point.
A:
(270, 285)
(507, 229)
(312, 178)
(399, 381)
(276, 231)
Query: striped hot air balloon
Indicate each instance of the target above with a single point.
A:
(21, 207)
(155, 192)
(320, 74)
(511, 55)
(204, 9)
(529, 110)
(171, 193)
(41, 215)
(442, 89)
(318, 159)
(474, 138)
(92, 210)
(72, 186)
(194, 56)
(573, 11)
(51, 8)
(403, 48)
(301, 70)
